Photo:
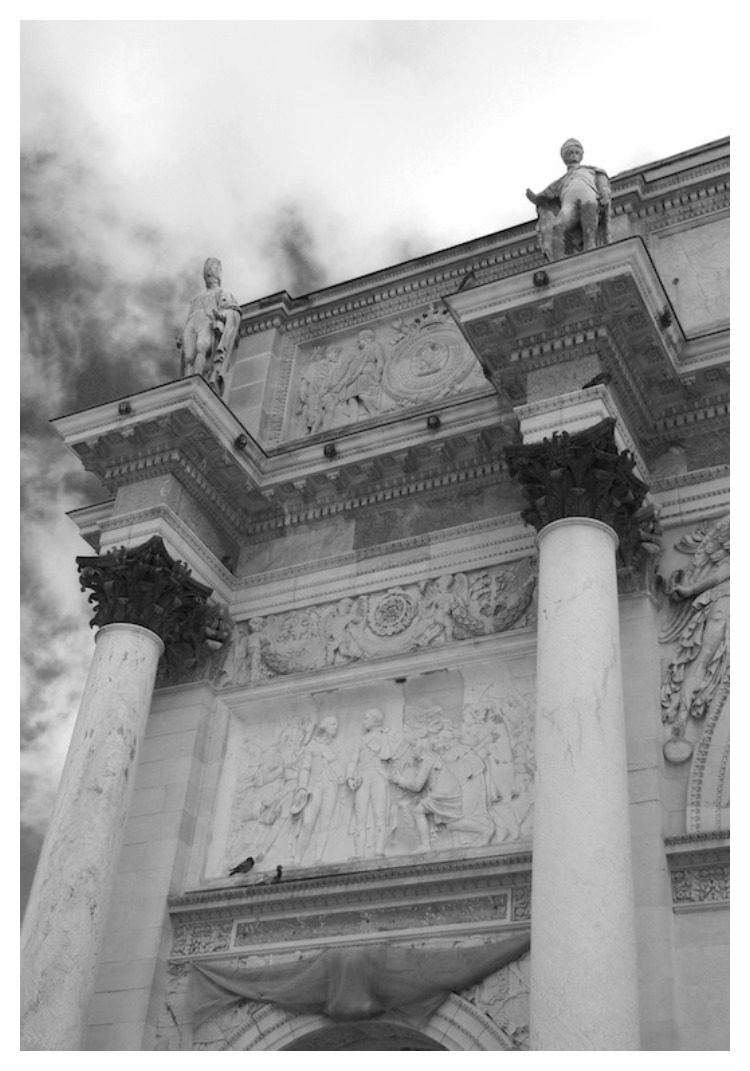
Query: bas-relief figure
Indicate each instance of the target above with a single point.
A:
(321, 788)
(504, 998)
(452, 607)
(211, 330)
(696, 681)
(367, 777)
(575, 210)
(342, 386)
(378, 370)
(319, 391)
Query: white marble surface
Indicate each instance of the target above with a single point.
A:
(67, 910)
(583, 967)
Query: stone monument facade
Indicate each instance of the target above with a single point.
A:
(408, 720)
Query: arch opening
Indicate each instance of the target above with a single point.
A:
(364, 1036)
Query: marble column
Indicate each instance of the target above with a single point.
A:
(583, 500)
(66, 914)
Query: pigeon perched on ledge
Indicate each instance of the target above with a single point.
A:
(277, 876)
(244, 867)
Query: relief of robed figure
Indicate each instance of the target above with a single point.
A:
(697, 677)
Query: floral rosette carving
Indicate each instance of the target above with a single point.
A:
(393, 613)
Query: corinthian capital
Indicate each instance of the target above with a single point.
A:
(580, 475)
(145, 586)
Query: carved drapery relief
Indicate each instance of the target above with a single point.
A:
(345, 779)
(500, 1001)
(452, 607)
(696, 681)
(382, 368)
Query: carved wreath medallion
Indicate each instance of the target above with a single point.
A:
(393, 613)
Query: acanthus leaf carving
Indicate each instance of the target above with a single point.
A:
(145, 586)
(582, 475)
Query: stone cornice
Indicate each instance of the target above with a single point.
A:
(446, 895)
(478, 545)
(103, 529)
(699, 870)
(644, 194)
(609, 302)
(250, 492)
(677, 505)
(493, 256)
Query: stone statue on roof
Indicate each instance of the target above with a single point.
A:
(211, 330)
(574, 211)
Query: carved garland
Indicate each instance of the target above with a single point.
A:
(430, 613)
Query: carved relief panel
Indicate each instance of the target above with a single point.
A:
(695, 684)
(386, 366)
(428, 613)
(437, 762)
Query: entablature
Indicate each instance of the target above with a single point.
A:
(481, 892)
(182, 428)
(607, 312)
(699, 870)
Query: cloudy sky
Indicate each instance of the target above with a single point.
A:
(301, 154)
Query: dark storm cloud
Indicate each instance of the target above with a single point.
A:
(94, 326)
(102, 299)
(291, 246)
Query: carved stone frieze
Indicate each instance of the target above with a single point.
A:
(378, 919)
(202, 938)
(464, 896)
(696, 681)
(383, 367)
(145, 586)
(701, 885)
(699, 870)
(584, 475)
(452, 607)
(380, 771)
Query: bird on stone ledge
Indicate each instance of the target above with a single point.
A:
(244, 867)
(277, 876)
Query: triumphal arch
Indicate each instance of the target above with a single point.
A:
(407, 723)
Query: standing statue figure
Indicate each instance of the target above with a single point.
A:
(211, 330)
(574, 211)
